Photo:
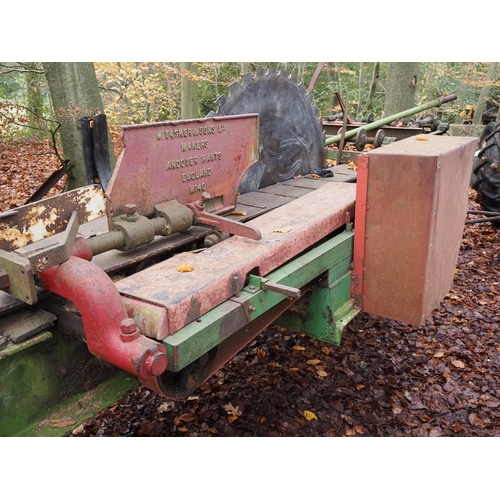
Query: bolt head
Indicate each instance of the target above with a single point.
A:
(156, 364)
(128, 326)
(130, 208)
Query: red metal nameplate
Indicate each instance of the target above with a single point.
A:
(180, 160)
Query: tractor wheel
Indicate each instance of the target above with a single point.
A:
(486, 172)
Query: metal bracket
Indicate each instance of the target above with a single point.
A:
(258, 283)
(22, 264)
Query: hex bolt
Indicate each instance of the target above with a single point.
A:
(42, 265)
(128, 326)
(130, 208)
(156, 363)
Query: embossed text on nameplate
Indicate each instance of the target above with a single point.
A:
(181, 159)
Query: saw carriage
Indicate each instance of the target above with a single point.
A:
(209, 231)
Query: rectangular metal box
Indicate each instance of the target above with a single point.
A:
(411, 204)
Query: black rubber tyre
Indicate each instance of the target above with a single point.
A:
(486, 175)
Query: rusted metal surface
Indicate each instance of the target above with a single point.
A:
(47, 185)
(334, 128)
(186, 296)
(39, 220)
(415, 209)
(181, 160)
(315, 77)
(360, 233)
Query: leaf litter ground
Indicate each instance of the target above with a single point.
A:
(385, 379)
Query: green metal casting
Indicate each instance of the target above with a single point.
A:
(333, 256)
(41, 374)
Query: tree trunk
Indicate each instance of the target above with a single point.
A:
(373, 85)
(400, 87)
(360, 87)
(485, 92)
(333, 75)
(75, 94)
(189, 92)
(34, 98)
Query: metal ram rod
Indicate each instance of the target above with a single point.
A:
(389, 119)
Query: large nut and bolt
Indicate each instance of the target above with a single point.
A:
(130, 208)
(156, 363)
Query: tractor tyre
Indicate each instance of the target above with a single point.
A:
(486, 171)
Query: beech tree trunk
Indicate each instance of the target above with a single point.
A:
(75, 94)
(189, 92)
(400, 87)
(373, 85)
(485, 92)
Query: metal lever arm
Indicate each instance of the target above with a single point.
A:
(223, 224)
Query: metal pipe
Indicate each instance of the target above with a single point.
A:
(389, 119)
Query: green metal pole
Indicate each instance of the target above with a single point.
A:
(385, 121)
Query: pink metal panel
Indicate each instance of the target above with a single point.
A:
(415, 210)
(186, 296)
(180, 160)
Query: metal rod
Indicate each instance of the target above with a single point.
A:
(385, 121)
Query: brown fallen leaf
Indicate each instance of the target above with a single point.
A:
(315, 176)
(322, 373)
(238, 213)
(294, 369)
(286, 229)
(231, 410)
(186, 417)
(325, 350)
(439, 354)
(313, 362)
(184, 268)
(420, 138)
(458, 363)
(298, 348)
(475, 420)
(232, 418)
(261, 354)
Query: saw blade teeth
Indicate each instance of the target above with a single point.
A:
(271, 72)
(221, 101)
(233, 87)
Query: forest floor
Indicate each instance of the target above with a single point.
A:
(385, 379)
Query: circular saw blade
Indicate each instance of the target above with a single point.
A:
(291, 139)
